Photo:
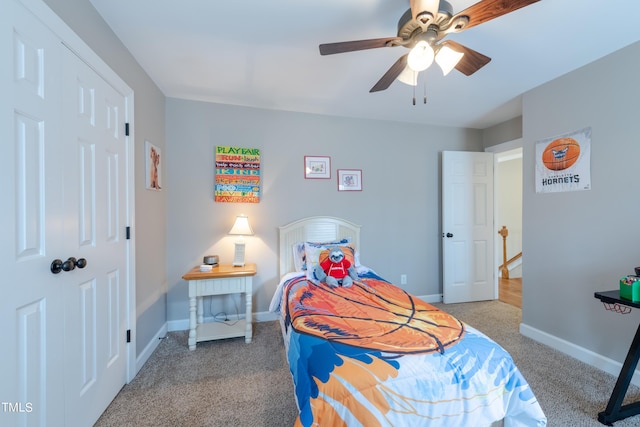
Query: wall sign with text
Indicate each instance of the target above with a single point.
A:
(237, 175)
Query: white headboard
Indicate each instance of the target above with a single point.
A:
(313, 229)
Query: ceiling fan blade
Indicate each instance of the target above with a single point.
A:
(391, 74)
(351, 46)
(471, 62)
(487, 10)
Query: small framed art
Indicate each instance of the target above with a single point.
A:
(317, 167)
(153, 166)
(349, 180)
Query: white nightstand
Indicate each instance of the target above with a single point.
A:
(222, 279)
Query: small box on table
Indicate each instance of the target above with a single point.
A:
(630, 288)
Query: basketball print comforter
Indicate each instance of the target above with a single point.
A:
(374, 355)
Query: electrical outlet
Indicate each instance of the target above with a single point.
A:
(403, 279)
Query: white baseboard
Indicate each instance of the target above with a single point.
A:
(150, 348)
(183, 324)
(431, 298)
(177, 325)
(265, 316)
(596, 360)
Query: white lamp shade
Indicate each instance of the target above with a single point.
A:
(448, 58)
(408, 76)
(421, 56)
(241, 227)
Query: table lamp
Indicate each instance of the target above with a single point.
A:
(240, 228)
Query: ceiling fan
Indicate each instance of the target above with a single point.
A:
(422, 28)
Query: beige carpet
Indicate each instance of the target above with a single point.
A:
(230, 383)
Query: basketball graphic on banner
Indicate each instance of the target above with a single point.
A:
(561, 154)
(563, 162)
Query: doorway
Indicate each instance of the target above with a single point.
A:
(508, 213)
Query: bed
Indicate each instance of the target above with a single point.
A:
(375, 355)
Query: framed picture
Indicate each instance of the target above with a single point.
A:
(349, 180)
(237, 175)
(317, 167)
(153, 166)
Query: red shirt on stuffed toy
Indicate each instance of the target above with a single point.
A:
(339, 270)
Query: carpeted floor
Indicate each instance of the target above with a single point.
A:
(221, 383)
(230, 383)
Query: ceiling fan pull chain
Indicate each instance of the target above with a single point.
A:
(414, 95)
(425, 93)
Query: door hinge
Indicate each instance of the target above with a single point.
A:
(126, 129)
(128, 232)
(128, 335)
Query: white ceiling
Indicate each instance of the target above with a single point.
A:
(264, 53)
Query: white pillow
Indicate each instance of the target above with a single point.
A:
(299, 254)
(314, 250)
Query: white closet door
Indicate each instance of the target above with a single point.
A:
(63, 166)
(95, 196)
(32, 302)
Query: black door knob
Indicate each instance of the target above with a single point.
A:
(69, 264)
(449, 235)
(56, 266)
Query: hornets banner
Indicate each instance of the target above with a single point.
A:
(563, 163)
(237, 175)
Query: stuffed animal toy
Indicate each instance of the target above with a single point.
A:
(336, 270)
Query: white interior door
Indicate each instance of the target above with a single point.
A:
(63, 164)
(467, 227)
(96, 297)
(32, 302)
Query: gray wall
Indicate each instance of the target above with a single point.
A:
(399, 207)
(503, 132)
(149, 230)
(576, 243)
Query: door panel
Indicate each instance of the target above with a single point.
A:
(30, 188)
(96, 312)
(86, 202)
(32, 304)
(467, 226)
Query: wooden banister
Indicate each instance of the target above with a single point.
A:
(512, 260)
(503, 268)
(504, 232)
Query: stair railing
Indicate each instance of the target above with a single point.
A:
(504, 269)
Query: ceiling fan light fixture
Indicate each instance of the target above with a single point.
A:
(421, 56)
(424, 18)
(408, 76)
(448, 58)
(424, 10)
